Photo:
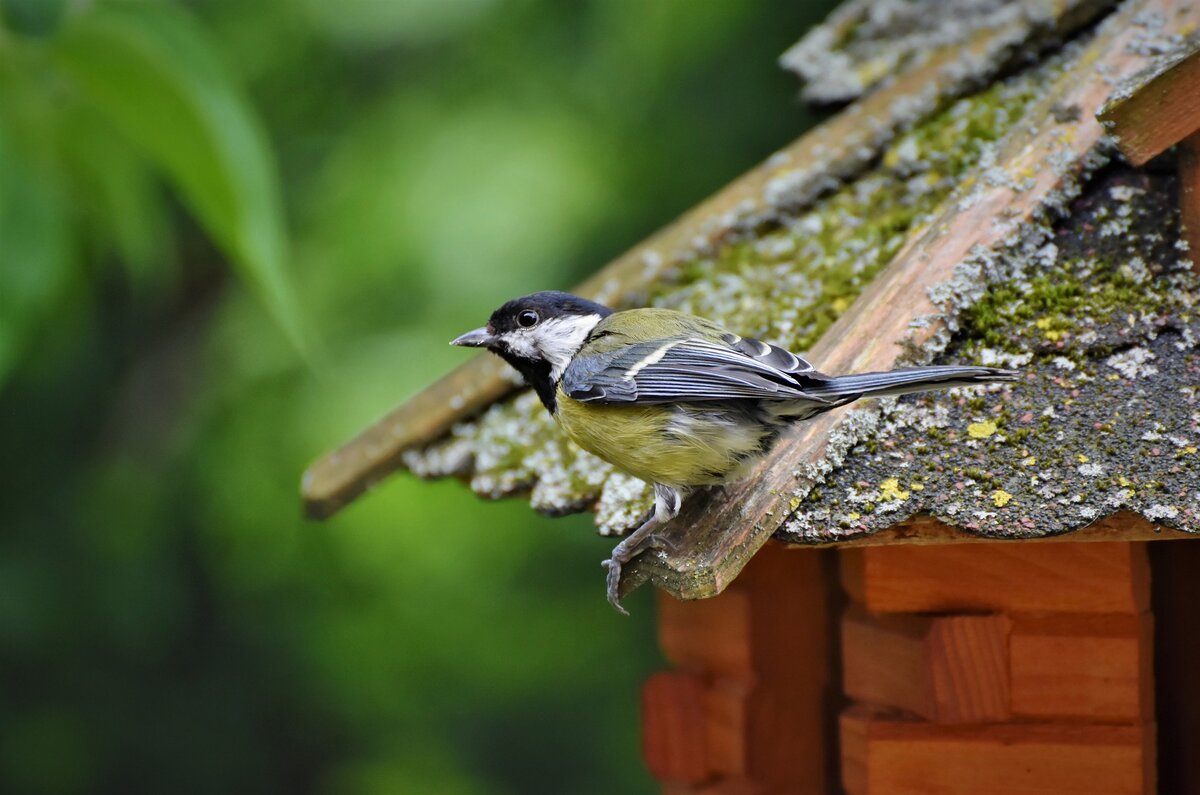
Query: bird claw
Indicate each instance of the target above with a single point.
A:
(613, 581)
(621, 557)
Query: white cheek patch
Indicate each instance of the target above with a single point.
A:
(555, 341)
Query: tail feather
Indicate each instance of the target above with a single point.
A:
(903, 382)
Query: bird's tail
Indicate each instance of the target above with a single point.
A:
(844, 388)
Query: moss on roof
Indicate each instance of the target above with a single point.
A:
(864, 42)
(1104, 321)
(794, 278)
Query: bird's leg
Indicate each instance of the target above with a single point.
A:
(667, 502)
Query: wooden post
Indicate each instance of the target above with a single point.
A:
(749, 704)
(989, 668)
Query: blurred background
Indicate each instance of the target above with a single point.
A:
(232, 234)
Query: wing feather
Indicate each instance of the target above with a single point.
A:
(691, 369)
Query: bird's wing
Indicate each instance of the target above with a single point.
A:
(690, 369)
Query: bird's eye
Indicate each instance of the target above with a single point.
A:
(527, 318)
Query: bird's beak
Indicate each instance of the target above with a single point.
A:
(479, 338)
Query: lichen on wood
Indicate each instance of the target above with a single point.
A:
(865, 42)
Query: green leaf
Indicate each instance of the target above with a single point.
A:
(37, 253)
(153, 71)
(120, 196)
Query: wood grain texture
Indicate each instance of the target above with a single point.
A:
(1092, 667)
(968, 669)
(1158, 111)
(716, 534)
(760, 682)
(1096, 578)
(833, 150)
(946, 669)
(693, 729)
(790, 719)
(884, 660)
(882, 756)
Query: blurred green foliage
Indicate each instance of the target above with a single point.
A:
(378, 174)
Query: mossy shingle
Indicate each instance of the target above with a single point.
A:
(1103, 322)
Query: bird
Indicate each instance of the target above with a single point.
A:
(675, 399)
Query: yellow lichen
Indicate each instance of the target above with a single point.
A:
(890, 490)
(981, 430)
(1001, 497)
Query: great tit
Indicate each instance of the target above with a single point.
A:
(671, 398)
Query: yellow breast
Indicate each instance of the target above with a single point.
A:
(680, 445)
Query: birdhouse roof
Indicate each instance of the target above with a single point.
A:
(965, 208)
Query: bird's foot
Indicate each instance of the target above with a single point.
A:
(624, 553)
(613, 581)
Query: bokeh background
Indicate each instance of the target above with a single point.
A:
(232, 234)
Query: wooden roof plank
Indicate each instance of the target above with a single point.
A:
(1157, 108)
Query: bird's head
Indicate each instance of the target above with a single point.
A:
(538, 334)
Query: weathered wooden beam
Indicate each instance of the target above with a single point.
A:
(1156, 109)
(794, 176)
(717, 534)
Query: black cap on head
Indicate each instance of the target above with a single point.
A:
(546, 304)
